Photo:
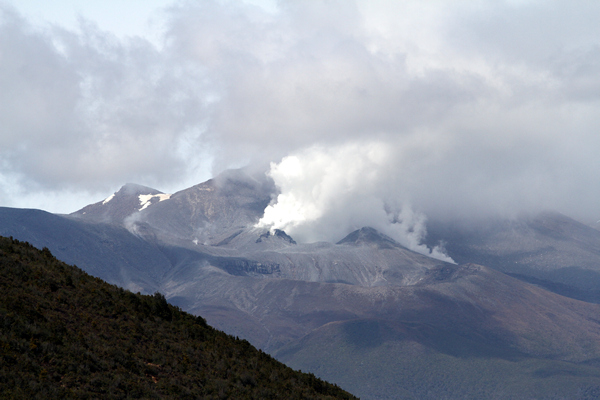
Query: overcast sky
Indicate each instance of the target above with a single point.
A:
(445, 108)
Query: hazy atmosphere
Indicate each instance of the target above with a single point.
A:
(378, 113)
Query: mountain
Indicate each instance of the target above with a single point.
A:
(470, 322)
(123, 203)
(367, 313)
(371, 237)
(66, 334)
(547, 249)
(108, 251)
(463, 332)
(210, 212)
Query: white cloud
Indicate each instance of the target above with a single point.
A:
(319, 183)
(476, 106)
(328, 192)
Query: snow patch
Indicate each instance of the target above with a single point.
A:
(146, 199)
(109, 198)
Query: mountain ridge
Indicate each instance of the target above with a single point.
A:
(304, 301)
(547, 249)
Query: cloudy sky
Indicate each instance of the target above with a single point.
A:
(357, 109)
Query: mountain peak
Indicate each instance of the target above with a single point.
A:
(130, 189)
(369, 236)
(129, 199)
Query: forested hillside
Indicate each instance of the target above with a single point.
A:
(66, 334)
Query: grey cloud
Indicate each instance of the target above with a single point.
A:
(306, 81)
(84, 110)
(517, 32)
(483, 107)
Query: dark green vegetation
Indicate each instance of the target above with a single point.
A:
(66, 334)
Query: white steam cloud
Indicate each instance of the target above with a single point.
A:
(328, 192)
